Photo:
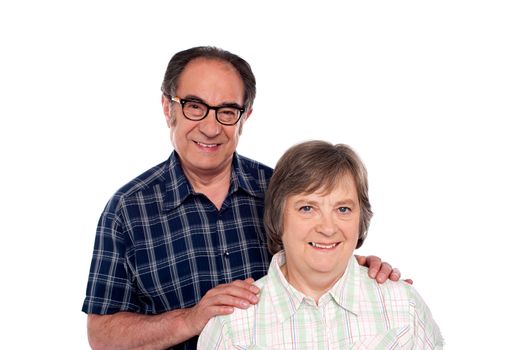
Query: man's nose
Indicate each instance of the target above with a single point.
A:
(209, 125)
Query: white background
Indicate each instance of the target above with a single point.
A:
(427, 93)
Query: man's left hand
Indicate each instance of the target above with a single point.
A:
(379, 270)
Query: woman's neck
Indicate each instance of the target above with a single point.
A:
(313, 285)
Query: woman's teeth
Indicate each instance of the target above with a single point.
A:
(323, 246)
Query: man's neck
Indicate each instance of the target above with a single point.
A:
(214, 185)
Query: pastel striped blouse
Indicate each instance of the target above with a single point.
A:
(357, 313)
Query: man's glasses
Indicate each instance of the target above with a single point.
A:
(197, 110)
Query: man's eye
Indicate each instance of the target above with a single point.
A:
(344, 210)
(193, 105)
(227, 112)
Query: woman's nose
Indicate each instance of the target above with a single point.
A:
(327, 225)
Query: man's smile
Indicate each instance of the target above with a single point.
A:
(207, 145)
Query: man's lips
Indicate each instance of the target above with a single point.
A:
(324, 245)
(206, 145)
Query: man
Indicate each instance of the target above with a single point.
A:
(184, 241)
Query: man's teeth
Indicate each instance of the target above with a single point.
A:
(207, 145)
(323, 246)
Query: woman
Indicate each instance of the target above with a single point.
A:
(315, 295)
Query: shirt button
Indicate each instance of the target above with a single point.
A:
(226, 254)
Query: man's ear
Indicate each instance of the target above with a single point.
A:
(166, 109)
(247, 114)
(245, 117)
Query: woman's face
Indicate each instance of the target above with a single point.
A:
(320, 234)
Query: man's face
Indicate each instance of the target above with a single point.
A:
(320, 233)
(206, 147)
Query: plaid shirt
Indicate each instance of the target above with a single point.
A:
(161, 246)
(357, 313)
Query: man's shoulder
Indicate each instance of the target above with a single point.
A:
(252, 165)
(254, 174)
(155, 175)
(145, 184)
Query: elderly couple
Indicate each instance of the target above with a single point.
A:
(184, 249)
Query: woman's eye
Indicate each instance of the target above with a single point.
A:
(305, 208)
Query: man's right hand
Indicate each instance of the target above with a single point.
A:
(127, 330)
(221, 300)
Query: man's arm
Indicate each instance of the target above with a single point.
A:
(379, 270)
(127, 330)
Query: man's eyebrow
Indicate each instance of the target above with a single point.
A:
(231, 104)
(224, 104)
(193, 98)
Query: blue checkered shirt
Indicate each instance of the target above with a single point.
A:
(161, 246)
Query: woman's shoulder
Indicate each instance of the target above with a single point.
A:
(241, 316)
(397, 292)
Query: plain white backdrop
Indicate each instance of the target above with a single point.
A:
(427, 93)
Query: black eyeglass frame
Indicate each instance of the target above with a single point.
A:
(183, 101)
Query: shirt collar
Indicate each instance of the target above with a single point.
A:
(346, 290)
(178, 188)
(285, 298)
(242, 177)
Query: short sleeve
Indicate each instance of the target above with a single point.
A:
(214, 336)
(427, 334)
(109, 288)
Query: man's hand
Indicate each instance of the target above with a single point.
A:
(221, 300)
(128, 330)
(379, 270)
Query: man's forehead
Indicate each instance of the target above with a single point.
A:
(211, 79)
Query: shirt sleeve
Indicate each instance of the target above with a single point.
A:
(214, 336)
(427, 334)
(109, 288)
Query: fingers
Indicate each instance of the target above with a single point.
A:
(221, 300)
(235, 294)
(247, 284)
(384, 273)
(395, 275)
(381, 271)
(238, 293)
(408, 280)
(361, 260)
(374, 264)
